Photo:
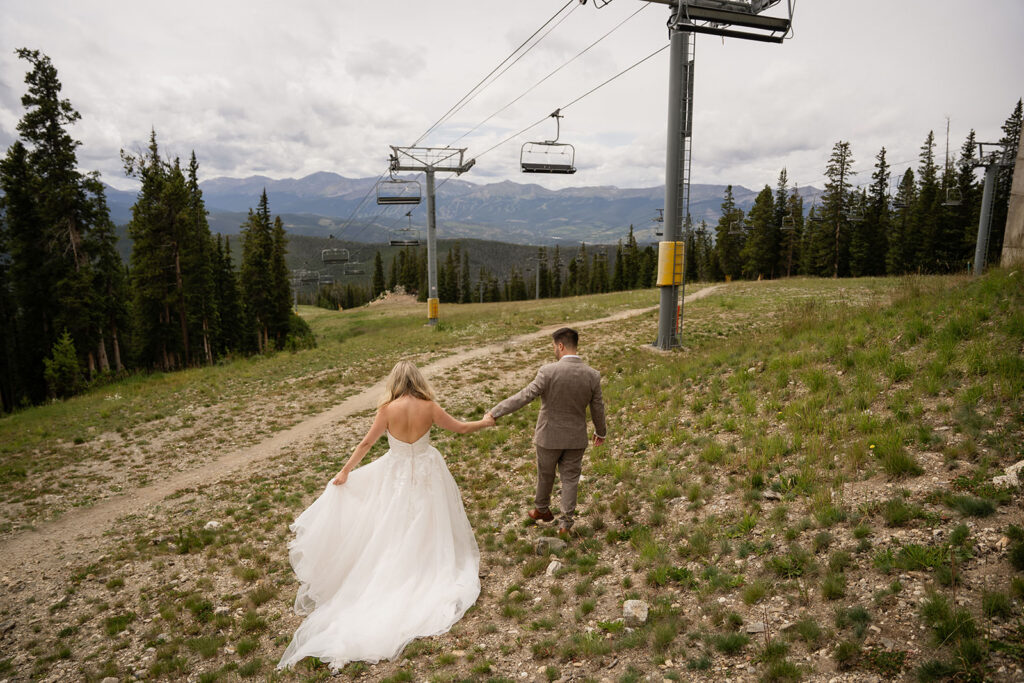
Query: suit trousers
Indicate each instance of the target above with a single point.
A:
(569, 463)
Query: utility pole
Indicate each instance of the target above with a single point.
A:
(729, 18)
(430, 160)
(992, 162)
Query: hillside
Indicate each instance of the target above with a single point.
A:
(803, 492)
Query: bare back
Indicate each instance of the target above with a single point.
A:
(408, 418)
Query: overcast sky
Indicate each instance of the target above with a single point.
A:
(288, 89)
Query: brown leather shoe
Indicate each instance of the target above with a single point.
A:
(538, 516)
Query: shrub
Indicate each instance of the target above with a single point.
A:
(62, 371)
(730, 643)
(299, 336)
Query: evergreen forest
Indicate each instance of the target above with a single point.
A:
(74, 314)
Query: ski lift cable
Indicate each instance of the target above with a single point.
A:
(545, 118)
(621, 73)
(456, 107)
(564, 64)
(465, 98)
(566, 106)
(448, 116)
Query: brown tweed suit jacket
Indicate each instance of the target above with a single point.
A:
(566, 388)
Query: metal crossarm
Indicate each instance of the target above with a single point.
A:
(429, 161)
(719, 17)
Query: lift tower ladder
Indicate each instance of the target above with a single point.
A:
(728, 18)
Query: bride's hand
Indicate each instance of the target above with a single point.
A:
(341, 478)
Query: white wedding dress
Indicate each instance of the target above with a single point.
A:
(384, 558)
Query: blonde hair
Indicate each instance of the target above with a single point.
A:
(406, 378)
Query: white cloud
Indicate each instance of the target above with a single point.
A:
(282, 90)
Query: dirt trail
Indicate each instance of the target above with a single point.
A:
(76, 530)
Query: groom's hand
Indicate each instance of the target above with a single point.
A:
(488, 420)
(598, 440)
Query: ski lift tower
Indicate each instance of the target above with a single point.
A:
(430, 160)
(731, 19)
(993, 157)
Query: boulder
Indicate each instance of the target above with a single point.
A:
(634, 612)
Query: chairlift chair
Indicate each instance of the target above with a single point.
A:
(334, 256)
(326, 280)
(404, 237)
(354, 268)
(550, 156)
(854, 215)
(659, 223)
(788, 223)
(953, 197)
(395, 191)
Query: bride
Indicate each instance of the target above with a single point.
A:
(386, 553)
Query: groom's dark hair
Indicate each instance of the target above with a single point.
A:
(566, 336)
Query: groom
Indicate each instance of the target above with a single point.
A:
(566, 387)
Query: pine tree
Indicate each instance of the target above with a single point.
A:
(689, 254)
(465, 283)
(256, 275)
(900, 254)
(58, 233)
(378, 275)
(394, 273)
(32, 310)
(776, 234)
(730, 237)
(619, 272)
(556, 277)
(61, 369)
(868, 244)
(544, 276)
(599, 273)
(161, 230)
(110, 281)
(281, 298)
(648, 266)
(582, 282)
(966, 215)
(759, 251)
(228, 303)
(704, 253)
(924, 232)
(631, 255)
(792, 230)
(198, 267)
(836, 208)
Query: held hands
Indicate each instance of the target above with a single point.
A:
(341, 478)
(488, 420)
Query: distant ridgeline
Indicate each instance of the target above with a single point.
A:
(72, 315)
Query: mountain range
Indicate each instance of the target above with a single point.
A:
(324, 204)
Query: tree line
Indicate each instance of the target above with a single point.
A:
(546, 275)
(923, 222)
(72, 313)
